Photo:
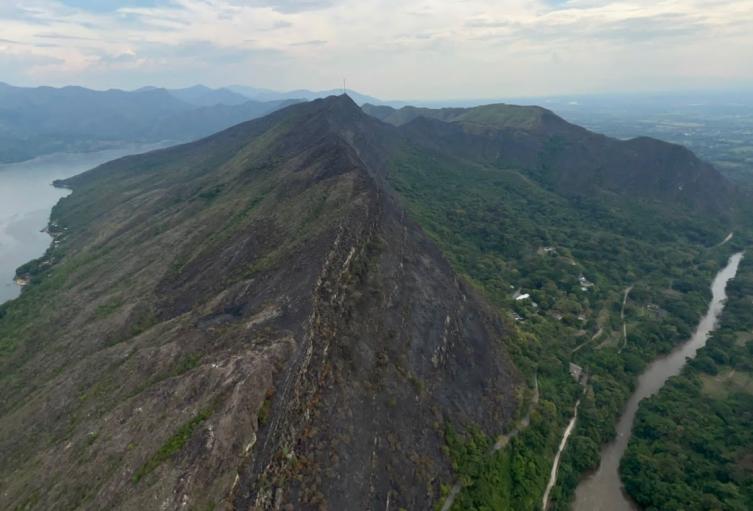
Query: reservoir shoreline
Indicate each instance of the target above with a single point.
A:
(27, 197)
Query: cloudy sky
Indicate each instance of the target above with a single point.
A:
(389, 48)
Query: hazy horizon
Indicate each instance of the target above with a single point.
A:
(388, 49)
(691, 92)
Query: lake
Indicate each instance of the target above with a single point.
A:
(26, 199)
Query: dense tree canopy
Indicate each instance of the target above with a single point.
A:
(692, 445)
(575, 257)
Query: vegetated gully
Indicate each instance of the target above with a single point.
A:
(603, 490)
(501, 443)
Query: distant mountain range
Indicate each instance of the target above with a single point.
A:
(309, 95)
(44, 120)
(201, 95)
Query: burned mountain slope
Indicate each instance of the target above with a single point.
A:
(246, 322)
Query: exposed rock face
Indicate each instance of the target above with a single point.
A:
(246, 322)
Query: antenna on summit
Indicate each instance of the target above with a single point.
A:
(344, 89)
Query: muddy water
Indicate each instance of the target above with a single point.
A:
(603, 490)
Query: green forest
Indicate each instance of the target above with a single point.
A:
(692, 444)
(575, 258)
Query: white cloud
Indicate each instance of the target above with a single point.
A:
(391, 48)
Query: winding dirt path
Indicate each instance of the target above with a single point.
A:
(451, 497)
(583, 380)
(592, 339)
(556, 464)
(725, 240)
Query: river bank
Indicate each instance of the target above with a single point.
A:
(603, 490)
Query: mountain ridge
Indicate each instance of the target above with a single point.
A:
(280, 307)
(315, 308)
(538, 140)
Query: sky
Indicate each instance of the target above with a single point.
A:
(392, 49)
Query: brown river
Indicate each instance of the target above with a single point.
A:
(603, 490)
